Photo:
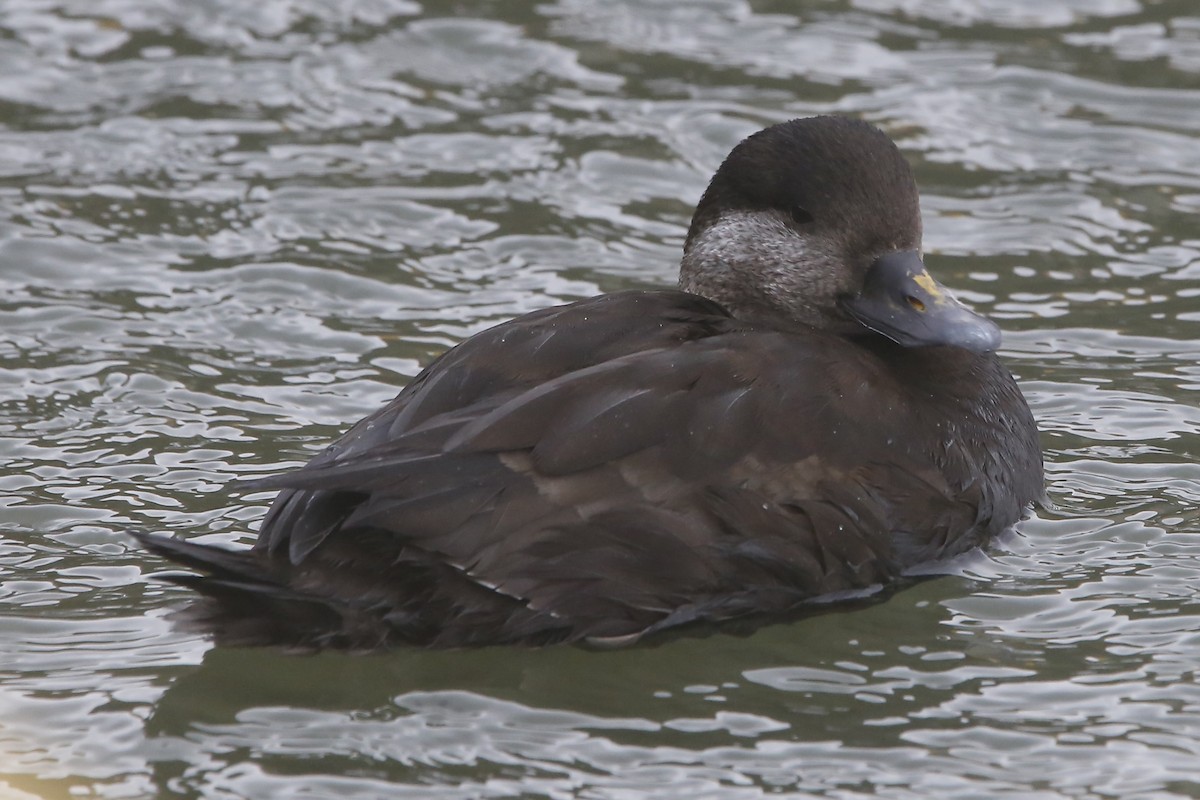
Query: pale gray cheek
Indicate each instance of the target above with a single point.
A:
(757, 260)
(741, 243)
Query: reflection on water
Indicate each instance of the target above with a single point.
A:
(228, 229)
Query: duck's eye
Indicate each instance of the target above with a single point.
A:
(800, 216)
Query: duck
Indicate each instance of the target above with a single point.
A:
(809, 416)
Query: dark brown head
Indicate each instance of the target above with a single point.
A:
(817, 222)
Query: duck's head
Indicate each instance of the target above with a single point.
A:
(817, 222)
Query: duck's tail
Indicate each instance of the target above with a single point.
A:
(244, 599)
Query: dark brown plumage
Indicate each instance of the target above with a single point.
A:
(813, 415)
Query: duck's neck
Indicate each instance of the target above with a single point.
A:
(945, 374)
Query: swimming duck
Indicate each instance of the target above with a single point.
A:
(809, 415)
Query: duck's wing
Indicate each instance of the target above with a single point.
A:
(466, 384)
(720, 473)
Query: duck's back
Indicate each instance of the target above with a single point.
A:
(624, 464)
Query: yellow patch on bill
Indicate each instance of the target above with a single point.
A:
(926, 282)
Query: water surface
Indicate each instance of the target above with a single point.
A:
(229, 229)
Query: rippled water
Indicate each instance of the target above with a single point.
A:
(228, 229)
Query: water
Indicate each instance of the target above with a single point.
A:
(229, 229)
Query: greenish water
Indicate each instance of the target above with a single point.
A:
(229, 229)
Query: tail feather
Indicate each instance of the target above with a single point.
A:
(244, 603)
(216, 561)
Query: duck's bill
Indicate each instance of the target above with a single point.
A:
(901, 301)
